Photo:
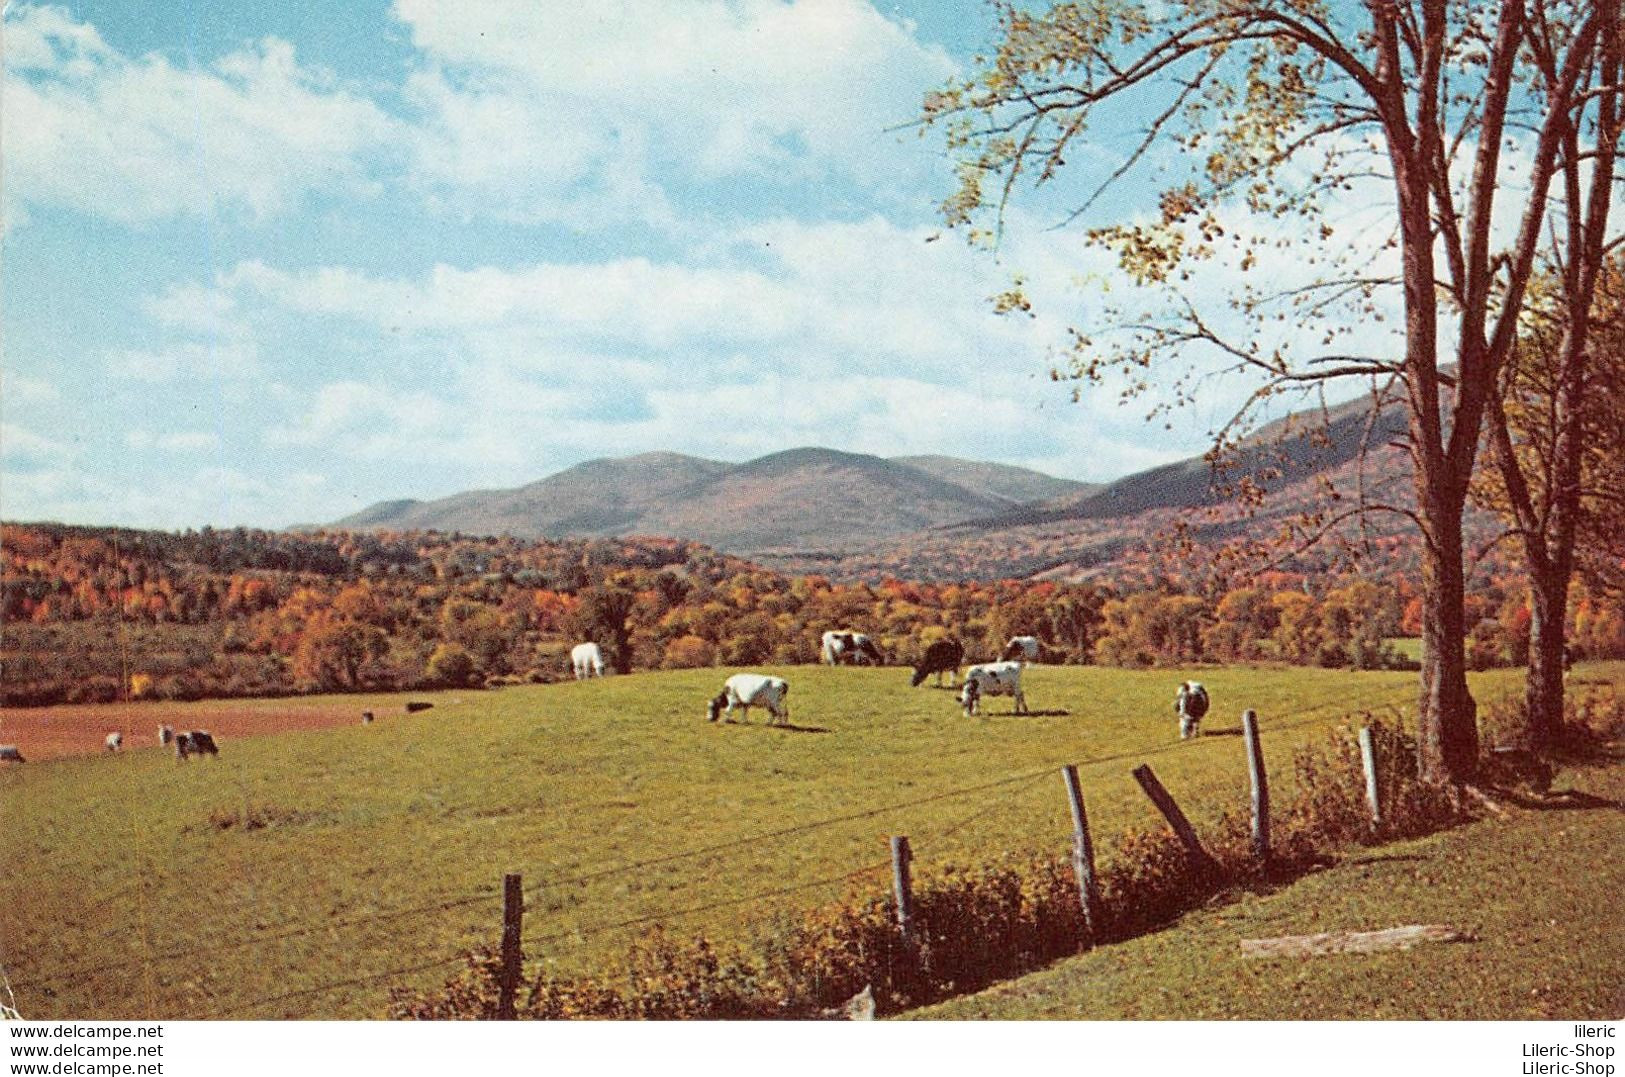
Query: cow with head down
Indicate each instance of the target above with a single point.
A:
(743, 691)
(992, 679)
(943, 656)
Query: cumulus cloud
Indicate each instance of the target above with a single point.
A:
(138, 139)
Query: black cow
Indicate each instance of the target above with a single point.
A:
(943, 656)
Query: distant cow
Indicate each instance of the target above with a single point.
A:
(10, 753)
(587, 660)
(194, 742)
(166, 735)
(992, 679)
(114, 741)
(743, 691)
(366, 717)
(943, 656)
(414, 706)
(851, 649)
(1021, 649)
(1190, 703)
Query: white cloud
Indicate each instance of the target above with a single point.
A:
(138, 139)
(545, 112)
(178, 441)
(226, 359)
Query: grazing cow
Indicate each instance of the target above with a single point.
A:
(943, 656)
(366, 717)
(194, 742)
(1021, 649)
(413, 706)
(10, 753)
(851, 649)
(992, 679)
(743, 691)
(114, 741)
(166, 735)
(587, 660)
(1190, 703)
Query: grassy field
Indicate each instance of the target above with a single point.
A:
(135, 889)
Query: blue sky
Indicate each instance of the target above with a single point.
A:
(266, 264)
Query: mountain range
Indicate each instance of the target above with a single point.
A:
(851, 514)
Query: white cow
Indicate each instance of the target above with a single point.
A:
(114, 741)
(1021, 649)
(587, 660)
(166, 735)
(850, 648)
(992, 679)
(1190, 703)
(743, 691)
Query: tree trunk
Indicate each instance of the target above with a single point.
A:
(1543, 688)
(1447, 727)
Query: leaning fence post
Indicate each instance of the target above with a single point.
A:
(1368, 759)
(513, 910)
(1260, 784)
(901, 857)
(1083, 856)
(1200, 858)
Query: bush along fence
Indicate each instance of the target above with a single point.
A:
(956, 930)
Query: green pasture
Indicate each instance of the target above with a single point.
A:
(132, 888)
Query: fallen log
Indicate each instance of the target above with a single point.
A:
(1352, 942)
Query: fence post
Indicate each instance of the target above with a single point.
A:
(1083, 856)
(1368, 759)
(1261, 787)
(901, 857)
(513, 911)
(1200, 858)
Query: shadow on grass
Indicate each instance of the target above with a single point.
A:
(1222, 732)
(1024, 714)
(787, 727)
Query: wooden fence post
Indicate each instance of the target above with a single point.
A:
(1261, 787)
(513, 910)
(1200, 858)
(1083, 857)
(901, 857)
(1368, 759)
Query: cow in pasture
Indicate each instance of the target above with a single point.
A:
(194, 742)
(414, 706)
(1190, 703)
(166, 735)
(114, 741)
(943, 656)
(992, 679)
(587, 660)
(1021, 649)
(851, 649)
(366, 717)
(743, 691)
(10, 753)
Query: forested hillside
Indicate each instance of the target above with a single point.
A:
(101, 614)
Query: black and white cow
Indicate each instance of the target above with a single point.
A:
(1021, 649)
(743, 691)
(194, 742)
(114, 741)
(166, 735)
(10, 753)
(1191, 704)
(943, 656)
(851, 649)
(992, 679)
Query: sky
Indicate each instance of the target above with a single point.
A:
(266, 264)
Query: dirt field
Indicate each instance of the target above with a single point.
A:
(81, 729)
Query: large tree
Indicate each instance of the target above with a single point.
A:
(1270, 111)
(1558, 433)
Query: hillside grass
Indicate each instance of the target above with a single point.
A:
(140, 887)
(1538, 891)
